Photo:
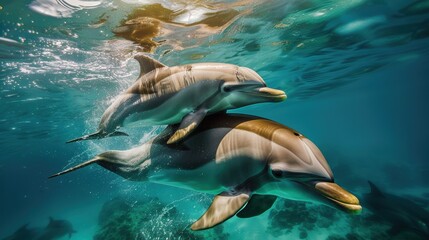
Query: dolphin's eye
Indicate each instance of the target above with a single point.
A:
(249, 86)
(233, 87)
(227, 89)
(277, 173)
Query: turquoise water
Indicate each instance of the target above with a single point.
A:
(355, 73)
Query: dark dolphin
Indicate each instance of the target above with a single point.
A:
(24, 233)
(402, 213)
(55, 229)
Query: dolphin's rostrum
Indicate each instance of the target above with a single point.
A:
(182, 94)
(246, 161)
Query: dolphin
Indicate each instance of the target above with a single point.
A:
(246, 161)
(182, 94)
(56, 229)
(23, 233)
(402, 213)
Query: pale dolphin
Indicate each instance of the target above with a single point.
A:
(246, 161)
(182, 94)
(402, 213)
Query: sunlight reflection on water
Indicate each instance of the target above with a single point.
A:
(302, 47)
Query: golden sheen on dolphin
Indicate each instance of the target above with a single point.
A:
(182, 94)
(247, 162)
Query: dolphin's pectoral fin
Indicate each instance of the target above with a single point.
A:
(188, 124)
(181, 133)
(257, 205)
(147, 64)
(222, 208)
(396, 229)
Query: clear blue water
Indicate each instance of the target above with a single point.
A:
(356, 74)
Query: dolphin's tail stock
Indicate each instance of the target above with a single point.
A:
(84, 164)
(98, 135)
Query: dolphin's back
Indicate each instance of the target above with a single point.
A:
(211, 159)
(173, 79)
(223, 144)
(279, 136)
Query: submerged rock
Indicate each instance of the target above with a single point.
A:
(306, 221)
(288, 215)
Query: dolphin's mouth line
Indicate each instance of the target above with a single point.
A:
(353, 207)
(272, 93)
(339, 196)
(268, 93)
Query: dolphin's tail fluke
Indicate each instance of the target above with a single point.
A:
(72, 232)
(98, 135)
(94, 160)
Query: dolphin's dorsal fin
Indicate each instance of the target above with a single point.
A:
(147, 64)
(257, 205)
(51, 220)
(70, 233)
(23, 227)
(222, 208)
(374, 190)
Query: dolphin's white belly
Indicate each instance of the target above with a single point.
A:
(211, 162)
(288, 190)
(201, 181)
(170, 110)
(212, 177)
(155, 117)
